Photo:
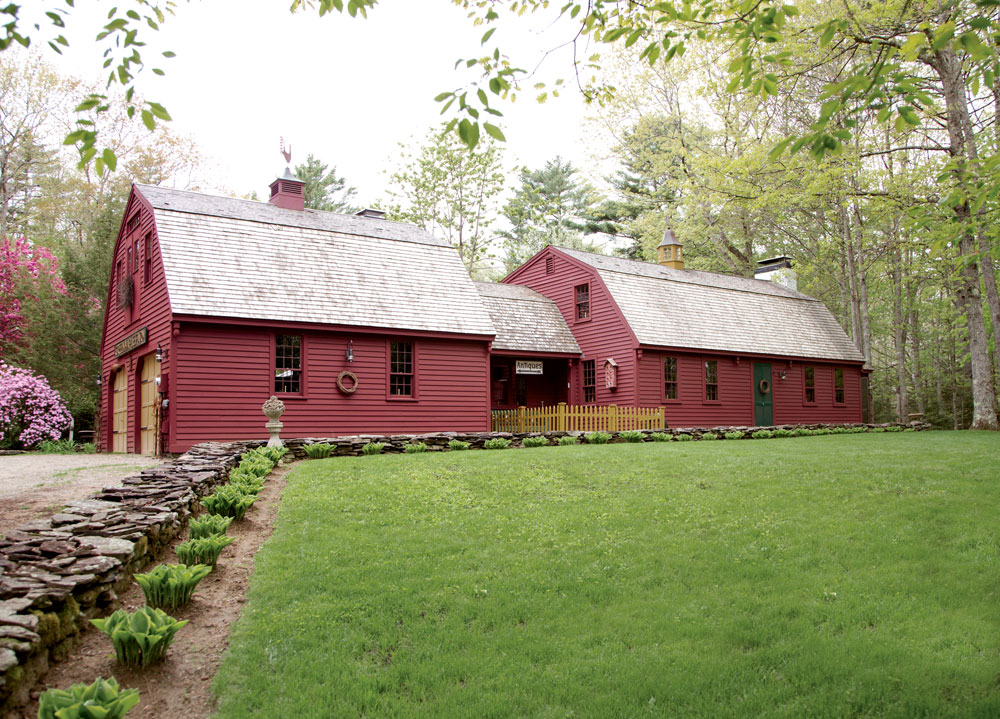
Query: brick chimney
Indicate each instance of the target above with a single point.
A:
(288, 192)
(670, 252)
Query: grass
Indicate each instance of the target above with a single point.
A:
(844, 575)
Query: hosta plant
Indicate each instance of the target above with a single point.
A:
(373, 448)
(532, 442)
(318, 450)
(894, 428)
(258, 466)
(169, 586)
(229, 501)
(566, 441)
(762, 434)
(684, 438)
(209, 526)
(247, 483)
(272, 454)
(496, 443)
(203, 551)
(632, 435)
(709, 436)
(139, 638)
(660, 437)
(839, 430)
(597, 438)
(415, 448)
(457, 445)
(784, 433)
(101, 700)
(736, 434)
(800, 432)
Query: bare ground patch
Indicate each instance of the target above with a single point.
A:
(181, 684)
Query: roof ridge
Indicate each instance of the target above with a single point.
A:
(693, 280)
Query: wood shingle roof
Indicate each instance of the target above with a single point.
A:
(225, 257)
(525, 320)
(708, 311)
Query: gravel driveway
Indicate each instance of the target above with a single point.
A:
(35, 485)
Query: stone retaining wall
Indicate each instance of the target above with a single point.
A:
(57, 573)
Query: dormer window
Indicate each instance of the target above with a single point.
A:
(582, 302)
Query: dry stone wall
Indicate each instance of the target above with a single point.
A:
(58, 572)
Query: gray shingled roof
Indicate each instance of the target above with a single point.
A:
(236, 258)
(704, 310)
(525, 321)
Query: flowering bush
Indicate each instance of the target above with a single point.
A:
(30, 410)
(21, 260)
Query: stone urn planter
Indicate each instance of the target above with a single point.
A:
(274, 408)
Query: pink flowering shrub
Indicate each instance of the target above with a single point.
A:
(20, 260)
(30, 410)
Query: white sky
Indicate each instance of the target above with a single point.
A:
(347, 90)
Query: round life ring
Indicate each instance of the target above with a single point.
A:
(354, 382)
(764, 386)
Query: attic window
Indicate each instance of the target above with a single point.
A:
(582, 302)
(147, 258)
(550, 265)
(133, 222)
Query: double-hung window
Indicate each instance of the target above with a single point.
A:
(809, 384)
(288, 364)
(838, 386)
(582, 293)
(669, 378)
(401, 369)
(589, 381)
(711, 380)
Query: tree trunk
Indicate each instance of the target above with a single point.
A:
(899, 332)
(962, 150)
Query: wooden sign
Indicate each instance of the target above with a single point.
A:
(136, 339)
(528, 367)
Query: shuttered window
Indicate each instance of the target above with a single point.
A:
(288, 364)
(400, 369)
(589, 381)
(711, 380)
(669, 378)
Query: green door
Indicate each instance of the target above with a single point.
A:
(763, 415)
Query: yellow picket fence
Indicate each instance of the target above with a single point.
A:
(573, 418)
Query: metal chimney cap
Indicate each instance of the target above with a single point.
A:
(669, 239)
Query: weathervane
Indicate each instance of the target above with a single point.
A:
(286, 153)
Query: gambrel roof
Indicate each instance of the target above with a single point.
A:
(525, 321)
(709, 311)
(225, 257)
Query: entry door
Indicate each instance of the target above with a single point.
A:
(147, 411)
(763, 403)
(119, 428)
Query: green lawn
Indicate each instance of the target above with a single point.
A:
(835, 576)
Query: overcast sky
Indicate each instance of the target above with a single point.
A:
(347, 90)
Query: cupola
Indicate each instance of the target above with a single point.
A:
(288, 192)
(670, 252)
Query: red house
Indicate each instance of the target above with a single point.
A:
(712, 349)
(357, 323)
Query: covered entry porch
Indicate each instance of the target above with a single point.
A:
(528, 381)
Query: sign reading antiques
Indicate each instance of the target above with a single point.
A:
(136, 339)
(528, 367)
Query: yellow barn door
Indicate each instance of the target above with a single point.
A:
(147, 411)
(119, 429)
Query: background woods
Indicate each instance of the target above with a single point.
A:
(886, 206)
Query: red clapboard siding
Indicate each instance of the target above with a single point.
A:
(225, 374)
(602, 336)
(789, 394)
(152, 310)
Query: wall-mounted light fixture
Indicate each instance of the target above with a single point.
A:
(100, 380)
(782, 374)
(157, 381)
(350, 351)
(161, 354)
